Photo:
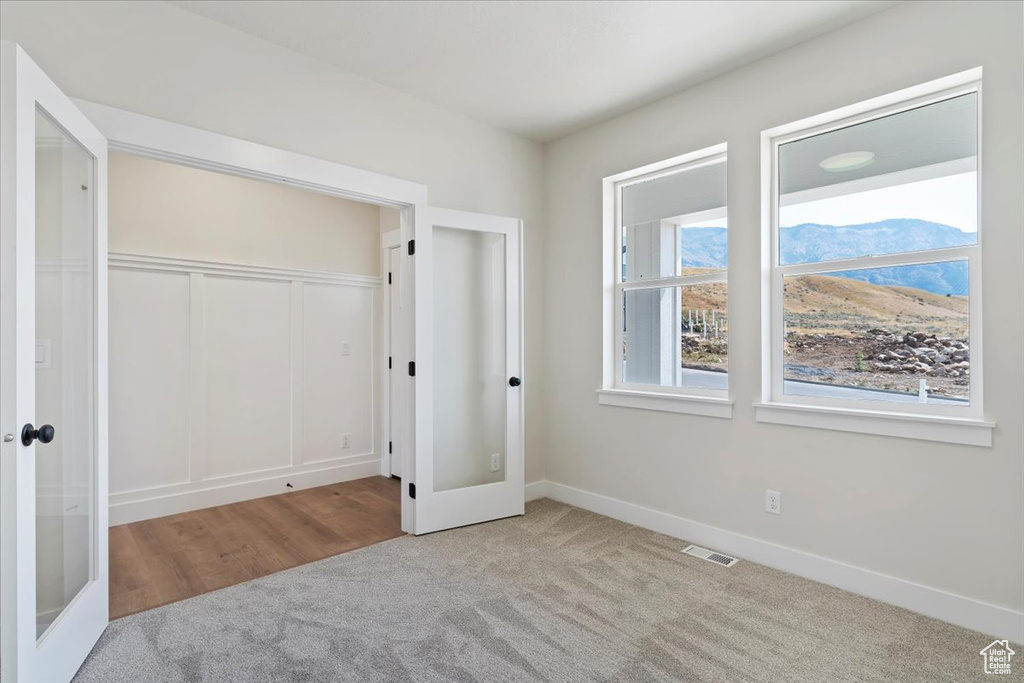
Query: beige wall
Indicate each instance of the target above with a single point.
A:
(164, 209)
(921, 511)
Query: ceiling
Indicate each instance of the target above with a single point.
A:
(538, 68)
(916, 139)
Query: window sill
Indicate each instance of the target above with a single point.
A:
(708, 406)
(967, 431)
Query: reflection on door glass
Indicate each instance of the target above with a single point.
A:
(65, 375)
(470, 376)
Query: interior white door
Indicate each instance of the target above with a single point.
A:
(468, 406)
(53, 359)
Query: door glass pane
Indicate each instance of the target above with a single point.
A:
(64, 357)
(470, 380)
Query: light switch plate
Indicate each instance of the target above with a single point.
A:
(346, 348)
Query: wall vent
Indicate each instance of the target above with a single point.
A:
(710, 555)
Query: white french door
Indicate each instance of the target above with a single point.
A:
(53, 362)
(467, 461)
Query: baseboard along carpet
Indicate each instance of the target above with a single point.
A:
(560, 594)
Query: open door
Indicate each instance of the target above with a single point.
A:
(53, 363)
(467, 460)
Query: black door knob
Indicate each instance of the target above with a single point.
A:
(29, 434)
(514, 381)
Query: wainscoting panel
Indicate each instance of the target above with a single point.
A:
(248, 375)
(336, 385)
(231, 382)
(149, 379)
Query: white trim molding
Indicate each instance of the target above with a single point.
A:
(140, 262)
(133, 506)
(959, 430)
(158, 139)
(536, 490)
(993, 620)
(707, 406)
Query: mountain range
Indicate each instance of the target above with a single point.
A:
(812, 243)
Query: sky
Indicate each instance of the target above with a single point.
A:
(951, 200)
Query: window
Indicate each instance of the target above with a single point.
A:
(873, 263)
(667, 300)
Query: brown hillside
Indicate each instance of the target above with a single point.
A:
(824, 304)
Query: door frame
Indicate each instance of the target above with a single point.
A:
(180, 144)
(388, 241)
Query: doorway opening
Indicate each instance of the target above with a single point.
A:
(246, 392)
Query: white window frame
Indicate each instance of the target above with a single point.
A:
(614, 391)
(950, 423)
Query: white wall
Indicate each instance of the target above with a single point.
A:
(156, 59)
(945, 516)
(162, 209)
(228, 385)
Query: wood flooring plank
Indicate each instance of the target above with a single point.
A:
(159, 561)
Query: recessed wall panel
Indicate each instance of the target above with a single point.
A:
(248, 380)
(337, 371)
(149, 357)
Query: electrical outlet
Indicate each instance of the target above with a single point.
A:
(346, 348)
(495, 462)
(345, 441)
(773, 502)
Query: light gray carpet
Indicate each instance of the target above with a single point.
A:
(558, 595)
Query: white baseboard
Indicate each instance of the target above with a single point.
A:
(536, 490)
(986, 618)
(135, 506)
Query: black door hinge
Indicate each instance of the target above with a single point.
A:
(412, 490)
(390, 449)
(412, 368)
(412, 247)
(389, 278)
(389, 362)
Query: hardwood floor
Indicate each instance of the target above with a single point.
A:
(159, 561)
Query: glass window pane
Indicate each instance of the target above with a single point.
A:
(896, 334)
(901, 183)
(65, 468)
(675, 224)
(470, 378)
(677, 336)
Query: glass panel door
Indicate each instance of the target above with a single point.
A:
(53, 361)
(468, 398)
